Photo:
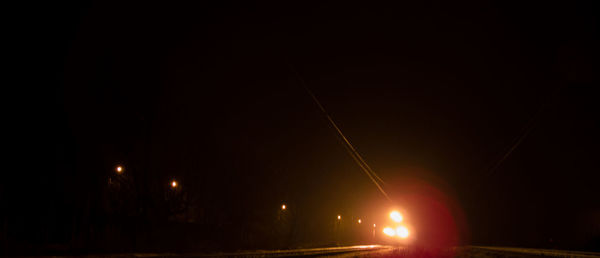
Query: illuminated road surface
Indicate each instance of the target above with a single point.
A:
(313, 252)
(364, 251)
(326, 251)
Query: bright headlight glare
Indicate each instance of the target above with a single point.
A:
(389, 231)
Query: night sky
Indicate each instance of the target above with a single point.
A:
(432, 95)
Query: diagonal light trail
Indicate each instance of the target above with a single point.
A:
(351, 150)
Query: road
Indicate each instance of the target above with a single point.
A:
(396, 251)
(468, 251)
(352, 251)
(315, 252)
(374, 251)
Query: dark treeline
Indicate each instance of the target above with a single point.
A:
(87, 207)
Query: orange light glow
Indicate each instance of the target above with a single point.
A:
(389, 231)
(396, 216)
(402, 231)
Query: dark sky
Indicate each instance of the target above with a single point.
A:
(434, 93)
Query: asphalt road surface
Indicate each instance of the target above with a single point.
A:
(459, 252)
(376, 251)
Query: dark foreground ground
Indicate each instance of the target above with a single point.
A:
(372, 251)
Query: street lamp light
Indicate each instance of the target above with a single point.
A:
(374, 230)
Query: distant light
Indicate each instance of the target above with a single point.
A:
(389, 231)
(283, 207)
(402, 231)
(119, 169)
(173, 183)
(374, 225)
(359, 221)
(339, 217)
(396, 216)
